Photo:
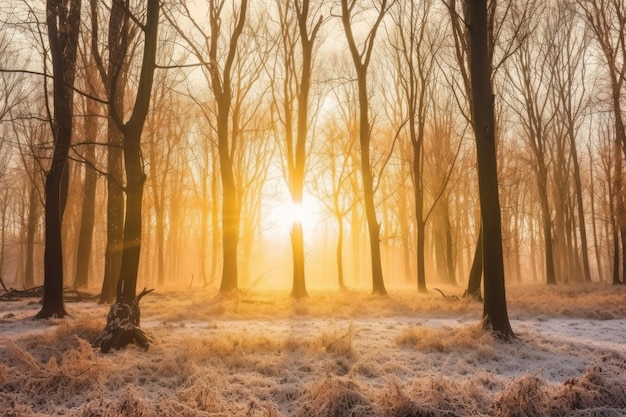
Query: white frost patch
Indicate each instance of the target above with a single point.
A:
(331, 354)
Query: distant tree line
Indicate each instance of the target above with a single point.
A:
(147, 138)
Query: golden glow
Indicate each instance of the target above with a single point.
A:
(286, 214)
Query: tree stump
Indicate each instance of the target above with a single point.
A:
(122, 327)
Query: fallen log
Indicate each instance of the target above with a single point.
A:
(69, 294)
(13, 295)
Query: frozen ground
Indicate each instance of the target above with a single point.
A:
(333, 354)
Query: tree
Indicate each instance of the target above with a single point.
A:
(63, 22)
(114, 78)
(87, 219)
(222, 90)
(572, 101)
(135, 176)
(295, 25)
(495, 314)
(122, 325)
(336, 158)
(36, 134)
(414, 53)
(219, 70)
(461, 56)
(607, 21)
(361, 59)
(532, 82)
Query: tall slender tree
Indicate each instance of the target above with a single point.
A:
(495, 316)
(414, 53)
(135, 176)
(361, 58)
(532, 82)
(63, 23)
(296, 92)
(607, 21)
(90, 179)
(114, 76)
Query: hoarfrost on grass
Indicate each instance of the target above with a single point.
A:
(338, 354)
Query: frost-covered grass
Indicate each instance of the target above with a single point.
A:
(333, 354)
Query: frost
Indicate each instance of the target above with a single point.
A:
(332, 354)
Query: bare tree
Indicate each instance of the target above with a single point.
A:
(32, 159)
(63, 23)
(607, 21)
(361, 58)
(572, 101)
(219, 71)
(414, 53)
(336, 157)
(532, 81)
(135, 176)
(298, 25)
(123, 320)
(114, 78)
(495, 314)
(87, 152)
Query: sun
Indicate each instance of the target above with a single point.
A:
(289, 213)
(286, 213)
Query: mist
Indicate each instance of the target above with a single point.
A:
(398, 163)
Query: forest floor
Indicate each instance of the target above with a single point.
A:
(332, 354)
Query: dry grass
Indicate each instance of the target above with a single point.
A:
(445, 339)
(358, 355)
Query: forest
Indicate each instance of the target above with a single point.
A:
(374, 170)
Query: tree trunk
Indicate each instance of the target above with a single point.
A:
(298, 289)
(215, 226)
(476, 273)
(450, 273)
(131, 248)
(222, 89)
(230, 206)
(159, 203)
(85, 236)
(135, 176)
(495, 311)
(421, 253)
(547, 226)
(378, 285)
(31, 229)
(581, 212)
(339, 253)
(619, 218)
(3, 228)
(63, 23)
(361, 60)
(417, 140)
(594, 227)
(115, 80)
(115, 214)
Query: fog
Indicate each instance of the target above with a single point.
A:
(337, 205)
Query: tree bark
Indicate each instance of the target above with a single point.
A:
(476, 272)
(135, 176)
(297, 161)
(63, 22)
(85, 236)
(361, 62)
(114, 78)
(495, 314)
(222, 89)
(618, 212)
(31, 229)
